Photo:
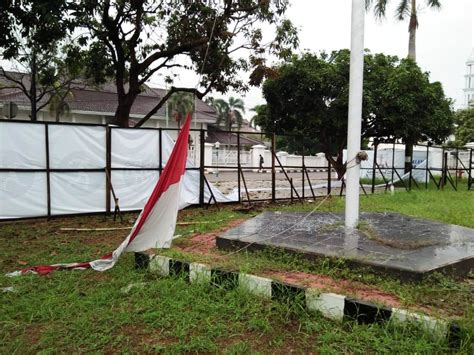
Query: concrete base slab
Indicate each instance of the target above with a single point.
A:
(390, 242)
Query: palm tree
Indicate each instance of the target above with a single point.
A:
(405, 9)
(229, 113)
(260, 114)
(58, 105)
(179, 105)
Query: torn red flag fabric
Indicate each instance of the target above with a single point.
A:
(154, 227)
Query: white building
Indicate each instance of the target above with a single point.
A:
(469, 81)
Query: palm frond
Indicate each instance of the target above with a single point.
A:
(222, 108)
(368, 4)
(434, 4)
(239, 119)
(403, 10)
(380, 8)
(237, 104)
(180, 103)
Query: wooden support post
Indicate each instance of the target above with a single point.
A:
(427, 165)
(108, 163)
(309, 182)
(273, 167)
(291, 189)
(239, 167)
(201, 167)
(444, 174)
(288, 178)
(210, 192)
(329, 177)
(374, 163)
(393, 161)
(410, 174)
(245, 187)
(470, 178)
(48, 172)
(302, 176)
(457, 167)
(160, 151)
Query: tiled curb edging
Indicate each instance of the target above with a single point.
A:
(331, 305)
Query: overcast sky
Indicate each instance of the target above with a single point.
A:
(444, 38)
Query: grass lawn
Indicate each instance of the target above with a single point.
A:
(87, 311)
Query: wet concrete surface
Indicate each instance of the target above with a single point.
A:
(391, 242)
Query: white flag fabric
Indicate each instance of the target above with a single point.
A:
(154, 227)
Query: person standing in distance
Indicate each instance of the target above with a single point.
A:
(260, 170)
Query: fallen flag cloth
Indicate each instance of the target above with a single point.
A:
(154, 227)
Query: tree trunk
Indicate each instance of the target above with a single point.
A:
(408, 155)
(337, 164)
(124, 107)
(122, 114)
(412, 27)
(33, 76)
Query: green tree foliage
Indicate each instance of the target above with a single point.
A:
(32, 37)
(36, 23)
(308, 101)
(260, 111)
(464, 131)
(415, 109)
(131, 41)
(229, 112)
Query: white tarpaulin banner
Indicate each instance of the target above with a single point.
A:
(135, 148)
(76, 147)
(132, 187)
(24, 194)
(77, 192)
(384, 161)
(22, 146)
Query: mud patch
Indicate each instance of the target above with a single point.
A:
(346, 287)
(205, 243)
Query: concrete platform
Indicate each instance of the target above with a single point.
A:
(390, 242)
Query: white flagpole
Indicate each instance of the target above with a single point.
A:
(355, 113)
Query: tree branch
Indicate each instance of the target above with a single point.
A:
(171, 52)
(165, 98)
(154, 70)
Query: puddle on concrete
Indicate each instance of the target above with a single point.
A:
(387, 241)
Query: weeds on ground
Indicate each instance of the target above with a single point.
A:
(86, 311)
(90, 312)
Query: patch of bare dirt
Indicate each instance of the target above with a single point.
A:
(327, 283)
(205, 243)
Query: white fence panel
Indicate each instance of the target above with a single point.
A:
(77, 192)
(137, 148)
(76, 147)
(133, 187)
(22, 146)
(23, 194)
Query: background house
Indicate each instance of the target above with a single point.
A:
(97, 104)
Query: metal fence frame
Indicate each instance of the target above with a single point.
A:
(445, 180)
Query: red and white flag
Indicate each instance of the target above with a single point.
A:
(154, 227)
